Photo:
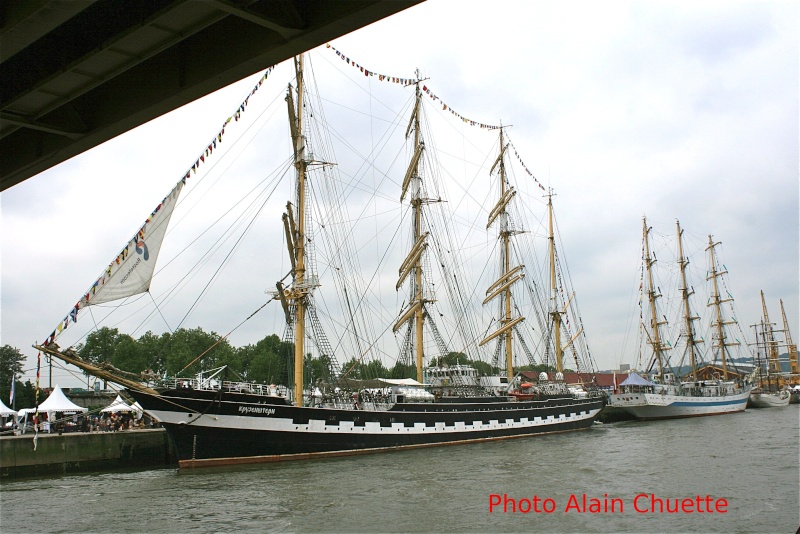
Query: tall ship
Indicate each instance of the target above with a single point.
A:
(664, 393)
(771, 389)
(215, 418)
(794, 362)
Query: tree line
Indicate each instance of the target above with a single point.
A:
(269, 361)
(185, 352)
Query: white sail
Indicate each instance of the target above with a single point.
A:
(131, 272)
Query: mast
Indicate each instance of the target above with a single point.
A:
(502, 287)
(769, 340)
(412, 265)
(504, 233)
(761, 345)
(553, 287)
(792, 348)
(716, 301)
(416, 202)
(297, 229)
(652, 296)
(691, 342)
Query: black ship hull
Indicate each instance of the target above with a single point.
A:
(213, 428)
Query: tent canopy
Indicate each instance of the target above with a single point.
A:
(402, 382)
(56, 402)
(119, 405)
(636, 380)
(5, 410)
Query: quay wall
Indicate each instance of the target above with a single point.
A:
(58, 454)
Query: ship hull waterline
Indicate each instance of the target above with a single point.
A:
(217, 431)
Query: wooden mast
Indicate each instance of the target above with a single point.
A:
(505, 234)
(716, 301)
(691, 341)
(502, 287)
(416, 202)
(769, 338)
(412, 265)
(555, 314)
(791, 347)
(652, 295)
(299, 291)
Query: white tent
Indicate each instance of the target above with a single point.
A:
(5, 411)
(56, 402)
(119, 405)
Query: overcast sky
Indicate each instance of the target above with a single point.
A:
(670, 110)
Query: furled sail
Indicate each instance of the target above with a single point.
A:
(131, 272)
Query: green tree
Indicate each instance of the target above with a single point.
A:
(100, 345)
(128, 355)
(374, 369)
(10, 369)
(10, 364)
(538, 368)
(120, 350)
(352, 368)
(151, 349)
(317, 369)
(25, 395)
(483, 368)
(401, 370)
(186, 346)
(267, 361)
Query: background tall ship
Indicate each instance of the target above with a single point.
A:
(667, 394)
(215, 417)
(772, 384)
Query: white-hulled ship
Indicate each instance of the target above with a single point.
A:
(769, 391)
(214, 420)
(665, 395)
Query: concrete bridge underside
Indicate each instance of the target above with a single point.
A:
(76, 73)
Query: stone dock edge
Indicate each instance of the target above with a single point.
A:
(61, 454)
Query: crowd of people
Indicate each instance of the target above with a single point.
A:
(105, 422)
(116, 422)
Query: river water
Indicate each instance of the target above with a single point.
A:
(745, 464)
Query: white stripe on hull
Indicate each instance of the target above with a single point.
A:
(317, 426)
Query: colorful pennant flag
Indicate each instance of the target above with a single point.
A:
(525, 166)
(410, 81)
(36, 400)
